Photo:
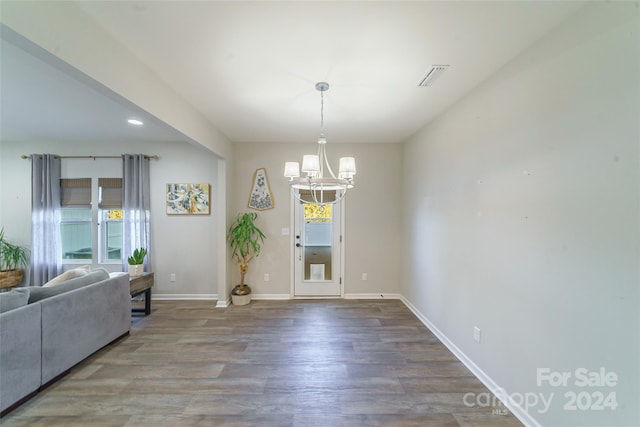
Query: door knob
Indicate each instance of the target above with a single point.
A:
(298, 245)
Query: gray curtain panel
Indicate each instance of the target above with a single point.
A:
(136, 206)
(46, 246)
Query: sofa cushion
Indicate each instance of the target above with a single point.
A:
(14, 299)
(68, 275)
(39, 292)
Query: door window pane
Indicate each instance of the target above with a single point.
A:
(318, 240)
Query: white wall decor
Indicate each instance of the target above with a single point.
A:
(260, 198)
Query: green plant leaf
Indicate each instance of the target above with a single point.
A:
(12, 256)
(245, 238)
(137, 257)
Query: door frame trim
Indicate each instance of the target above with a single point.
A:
(292, 252)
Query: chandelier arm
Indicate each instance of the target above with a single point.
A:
(326, 162)
(342, 194)
(315, 196)
(321, 159)
(296, 195)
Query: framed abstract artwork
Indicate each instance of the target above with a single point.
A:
(188, 199)
(260, 198)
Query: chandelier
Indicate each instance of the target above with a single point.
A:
(315, 187)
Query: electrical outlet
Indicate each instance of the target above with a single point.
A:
(364, 276)
(476, 334)
(172, 277)
(266, 277)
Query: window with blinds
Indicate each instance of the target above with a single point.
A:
(76, 219)
(91, 221)
(110, 213)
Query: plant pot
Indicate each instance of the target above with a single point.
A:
(241, 295)
(11, 278)
(136, 270)
(240, 299)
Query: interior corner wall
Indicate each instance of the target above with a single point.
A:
(522, 218)
(373, 215)
(186, 245)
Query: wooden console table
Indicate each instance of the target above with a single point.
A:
(142, 284)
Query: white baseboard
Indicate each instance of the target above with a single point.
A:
(223, 303)
(160, 297)
(517, 410)
(273, 297)
(281, 297)
(373, 296)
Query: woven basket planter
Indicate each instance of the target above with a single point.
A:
(10, 278)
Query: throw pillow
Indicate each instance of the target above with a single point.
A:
(13, 299)
(68, 275)
(40, 292)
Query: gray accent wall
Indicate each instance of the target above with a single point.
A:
(522, 218)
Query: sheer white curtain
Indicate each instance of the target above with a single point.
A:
(46, 246)
(136, 207)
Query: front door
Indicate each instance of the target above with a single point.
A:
(318, 241)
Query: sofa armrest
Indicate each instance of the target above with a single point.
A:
(20, 354)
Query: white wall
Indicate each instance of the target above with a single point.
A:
(184, 245)
(372, 215)
(522, 217)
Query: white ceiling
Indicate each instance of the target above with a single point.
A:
(251, 67)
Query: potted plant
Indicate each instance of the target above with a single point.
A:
(12, 259)
(136, 261)
(245, 238)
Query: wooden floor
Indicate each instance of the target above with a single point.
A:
(272, 363)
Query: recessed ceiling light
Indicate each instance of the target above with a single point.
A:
(135, 122)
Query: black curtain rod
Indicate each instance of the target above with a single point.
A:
(154, 157)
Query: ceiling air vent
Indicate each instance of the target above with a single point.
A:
(432, 75)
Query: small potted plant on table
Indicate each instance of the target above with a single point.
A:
(245, 238)
(136, 262)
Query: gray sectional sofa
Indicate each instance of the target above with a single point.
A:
(45, 331)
